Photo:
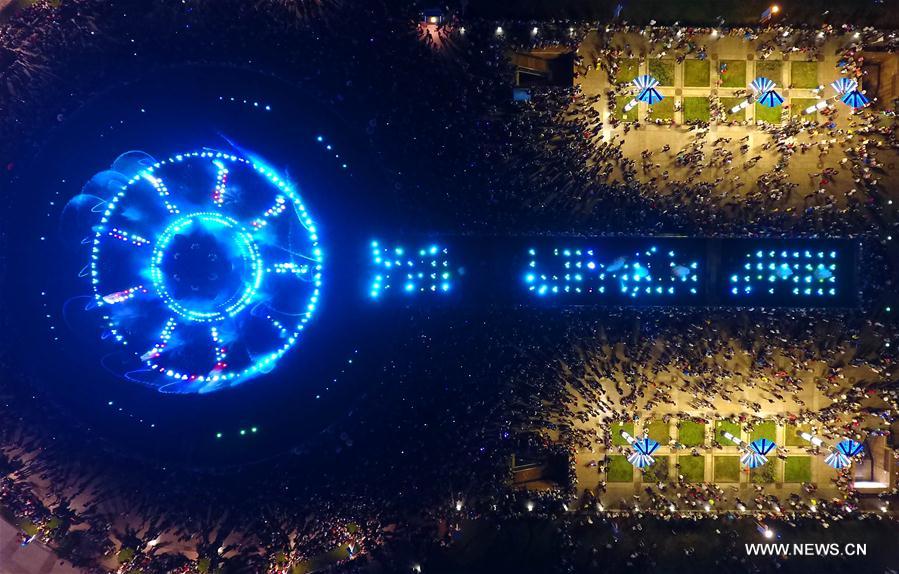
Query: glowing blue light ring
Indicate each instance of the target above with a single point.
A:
(249, 252)
(291, 335)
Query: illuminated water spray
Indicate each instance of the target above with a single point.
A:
(207, 267)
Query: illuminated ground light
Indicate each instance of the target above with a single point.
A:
(649, 273)
(396, 269)
(207, 267)
(786, 272)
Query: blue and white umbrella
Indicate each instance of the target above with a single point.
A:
(752, 459)
(650, 96)
(837, 460)
(850, 447)
(761, 85)
(770, 99)
(646, 445)
(855, 99)
(640, 460)
(844, 85)
(645, 81)
(762, 446)
(643, 449)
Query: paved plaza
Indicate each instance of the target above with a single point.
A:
(689, 86)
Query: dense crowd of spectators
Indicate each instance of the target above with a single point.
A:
(429, 448)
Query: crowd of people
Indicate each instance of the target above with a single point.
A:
(429, 447)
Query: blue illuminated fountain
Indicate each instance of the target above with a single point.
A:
(652, 272)
(398, 270)
(797, 272)
(207, 267)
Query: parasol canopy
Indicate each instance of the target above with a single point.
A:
(850, 447)
(752, 459)
(645, 81)
(650, 96)
(855, 99)
(837, 460)
(844, 85)
(761, 446)
(761, 85)
(771, 99)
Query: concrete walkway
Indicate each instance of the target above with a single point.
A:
(32, 559)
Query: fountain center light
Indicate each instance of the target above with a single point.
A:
(206, 267)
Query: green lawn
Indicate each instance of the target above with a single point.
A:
(732, 73)
(663, 110)
(804, 74)
(798, 105)
(771, 69)
(692, 467)
(322, 561)
(630, 116)
(798, 469)
(792, 439)
(696, 73)
(766, 429)
(728, 104)
(663, 71)
(768, 115)
(28, 527)
(658, 472)
(616, 429)
(727, 469)
(721, 427)
(125, 555)
(690, 433)
(696, 109)
(627, 70)
(658, 431)
(619, 469)
(765, 474)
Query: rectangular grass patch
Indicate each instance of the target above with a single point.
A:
(690, 433)
(768, 115)
(729, 104)
(658, 431)
(663, 71)
(658, 471)
(771, 69)
(765, 429)
(619, 469)
(765, 474)
(630, 116)
(798, 469)
(692, 468)
(721, 427)
(732, 73)
(792, 439)
(804, 75)
(798, 105)
(696, 109)
(617, 439)
(663, 110)
(628, 69)
(696, 73)
(727, 469)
